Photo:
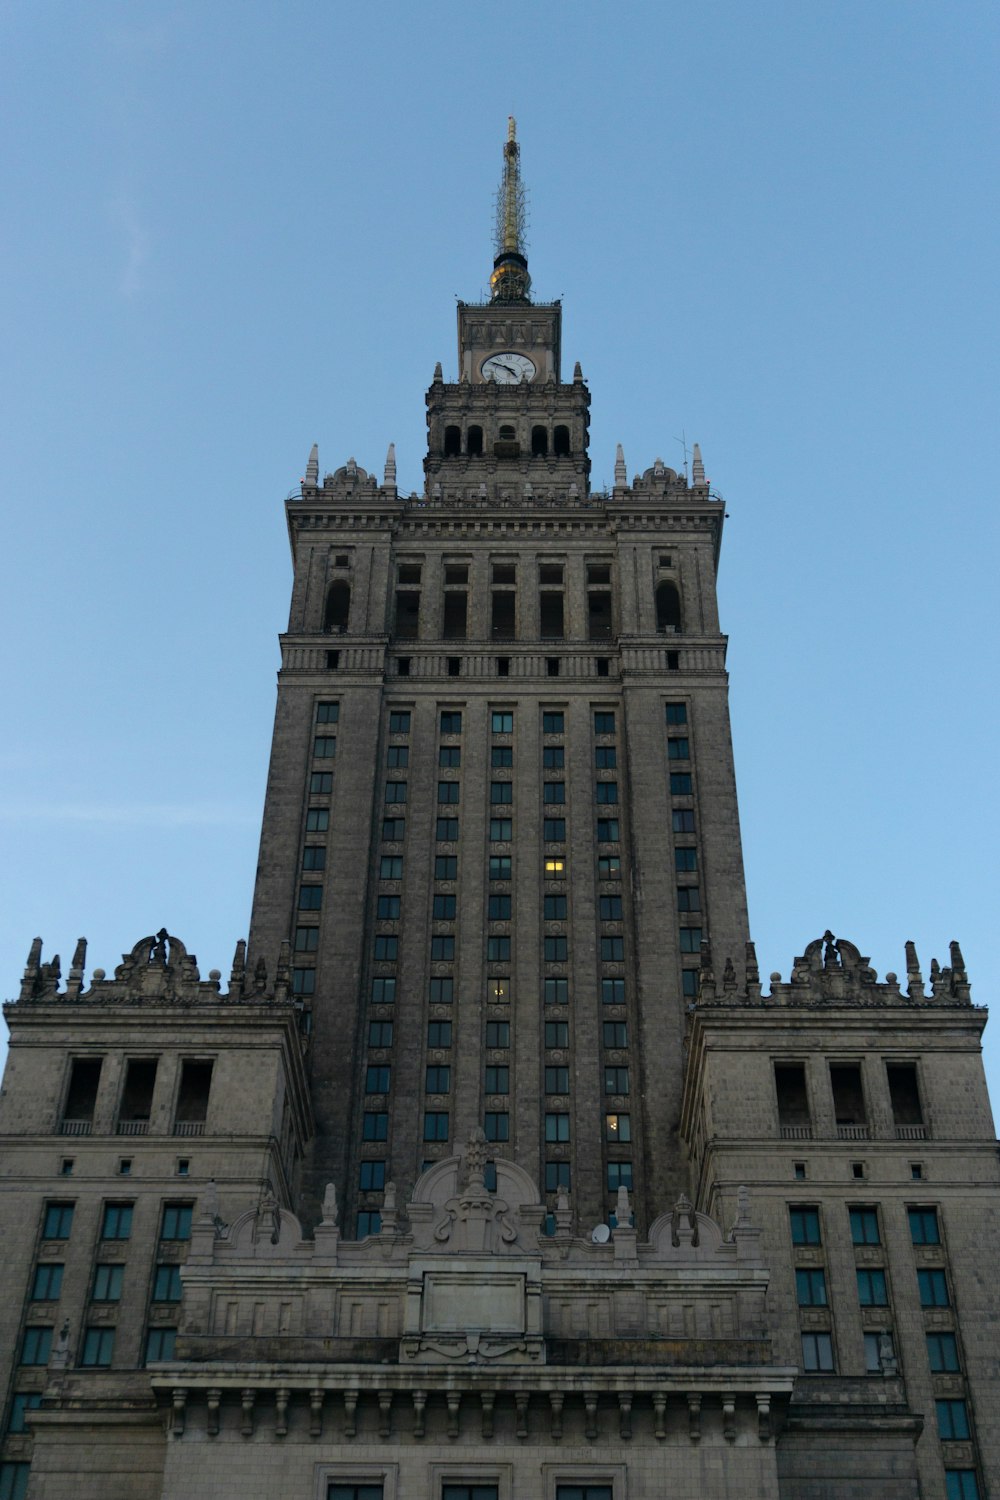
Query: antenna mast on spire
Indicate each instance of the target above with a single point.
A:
(510, 281)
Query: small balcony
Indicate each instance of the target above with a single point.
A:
(189, 1127)
(911, 1132)
(76, 1127)
(132, 1127)
(796, 1132)
(852, 1132)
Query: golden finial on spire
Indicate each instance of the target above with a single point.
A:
(510, 281)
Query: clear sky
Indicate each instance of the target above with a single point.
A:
(231, 229)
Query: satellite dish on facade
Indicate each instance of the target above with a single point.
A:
(600, 1234)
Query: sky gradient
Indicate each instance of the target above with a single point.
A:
(233, 230)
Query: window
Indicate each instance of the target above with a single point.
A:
(805, 1226)
(117, 1221)
(961, 1484)
(388, 908)
(503, 615)
(606, 791)
(793, 1099)
(36, 1346)
(445, 867)
(499, 908)
(682, 820)
(933, 1286)
(442, 948)
(554, 791)
(606, 757)
(676, 713)
(395, 791)
(499, 866)
(441, 991)
(681, 784)
(310, 897)
(58, 1221)
(619, 1175)
(501, 830)
(314, 857)
(552, 723)
(612, 950)
(47, 1284)
(437, 1079)
(176, 1223)
(613, 991)
(317, 820)
(557, 1175)
(439, 1033)
(321, 783)
(689, 982)
(690, 939)
(607, 830)
(942, 1353)
(369, 1222)
(383, 991)
(380, 1033)
(449, 791)
(377, 1079)
(502, 755)
(98, 1347)
(554, 869)
(864, 1226)
(555, 908)
(497, 950)
(615, 1034)
(393, 830)
(324, 746)
(678, 748)
(604, 723)
(498, 1033)
(444, 908)
(555, 950)
(817, 1353)
(160, 1344)
(20, 1404)
(952, 1421)
(924, 1228)
(446, 830)
(556, 991)
(553, 757)
(617, 1127)
(456, 616)
(497, 1080)
(451, 722)
(616, 1080)
(685, 860)
(609, 866)
(14, 1476)
(371, 1178)
(399, 722)
(557, 1080)
(904, 1095)
(496, 1125)
(397, 757)
(375, 1125)
(501, 791)
(688, 898)
(386, 948)
(469, 1492)
(502, 722)
(556, 1127)
(108, 1283)
(872, 1290)
(554, 830)
(610, 908)
(436, 1125)
(557, 1033)
(550, 615)
(167, 1284)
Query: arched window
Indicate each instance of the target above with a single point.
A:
(539, 442)
(560, 441)
(668, 606)
(507, 433)
(338, 607)
(452, 441)
(474, 442)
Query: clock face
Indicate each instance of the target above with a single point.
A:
(508, 369)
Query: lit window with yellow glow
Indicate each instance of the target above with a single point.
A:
(555, 869)
(498, 991)
(617, 1127)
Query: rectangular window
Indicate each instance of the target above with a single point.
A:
(872, 1289)
(449, 756)
(375, 1125)
(864, 1226)
(321, 783)
(442, 948)
(310, 897)
(924, 1228)
(497, 950)
(324, 746)
(953, 1421)
(605, 757)
(690, 939)
(439, 1033)
(36, 1346)
(327, 713)
(442, 990)
(681, 784)
(397, 757)
(556, 991)
(685, 860)
(501, 756)
(501, 830)
(554, 830)
(804, 1224)
(446, 830)
(557, 1175)
(556, 950)
(369, 1222)
(613, 991)
(619, 1175)
(498, 1033)
(371, 1178)
(314, 857)
(689, 982)
(444, 909)
(167, 1284)
(117, 1221)
(107, 1283)
(616, 1080)
(554, 869)
(688, 898)
(317, 820)
(617, 1127)
(942, 1353)
(499, 908)
(615, 1034)
(609, 867)
(682, 820)
(393, 830)
(380, 1033)
(676, 713)
(502, 722)
(557, 1080)
(497, 1080)
(607, 830)
(176, 1222)
(555, 908)
(451, 722)
(501, 792)
(386, 949)
(20, 1405)
(448, 791)
(607, 792)
(817, 1353)
(612, 950)
(499, 866)
(496, 1125)
(399, 722)
(437, 1079)
(469, 1492)
(436, 1125)
(604, 723)
(47, 1284)
(395, 791)
(961, 1484)
(553, 757)
(160, 1344)
(557, 1033)
(303, 981)
(377, 1079)
(383, 991)
(904, 1096)
(556, 1128)
(550, 615)
(933, 1287)
(678, 749)
(552, 723)
(445, 867)
(610, 908)
(98, 1347)
(554, 791)
(388, 908)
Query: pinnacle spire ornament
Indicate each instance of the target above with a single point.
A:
(510, 281)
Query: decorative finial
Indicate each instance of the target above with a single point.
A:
(621, 473)
(697, 466)
(312, 466)
(510, 281)
(390, 467)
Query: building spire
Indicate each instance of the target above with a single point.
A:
(510, 281)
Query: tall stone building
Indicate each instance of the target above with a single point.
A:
(493, 1169)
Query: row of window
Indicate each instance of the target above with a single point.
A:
(116, 1222)
(441, 990)
(96, 1349)
(864, 1221)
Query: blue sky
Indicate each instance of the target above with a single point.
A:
(231, 230)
